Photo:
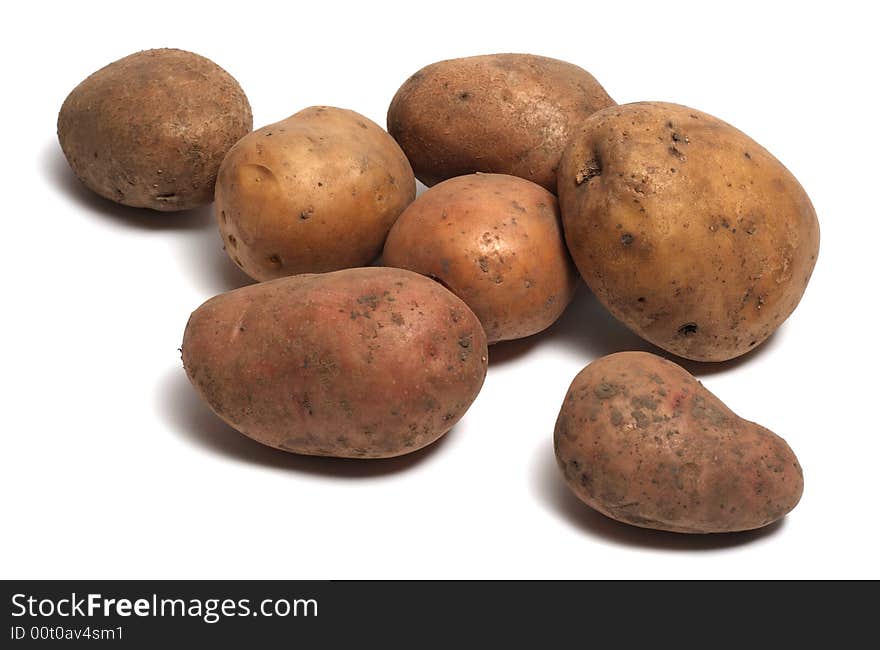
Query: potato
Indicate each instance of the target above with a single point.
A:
(687, 230)
(643, 442)
(313, 193)
(496, 242)
(150, 130)
(504, 113)
(363, 363)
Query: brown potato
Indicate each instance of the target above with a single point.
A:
(150, 130)
(504, 113)
(642, 441)
(687, 230)
(496, 242)
(313, 193)
(362, 363)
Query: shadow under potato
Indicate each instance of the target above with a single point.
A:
(191, 419)
(207, 261)
(56, 170)
(550, 487)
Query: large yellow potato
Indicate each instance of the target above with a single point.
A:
(502, 113)
(686, 229)
(315, 192)
(150, 130)
(496, 242)
(361, 363)
(642, 441)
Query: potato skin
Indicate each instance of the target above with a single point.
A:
(315, 192)
(496, 242)
(687, 230)
(642, 441)
(502, 113)
(150, 130)
(360, 363)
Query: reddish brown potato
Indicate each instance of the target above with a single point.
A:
(641, 441)
(503, 113)
(151, 129)
(361, 363)
(313, 193)
(496, 242)
(687, 230)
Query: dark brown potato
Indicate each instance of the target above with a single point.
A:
(496, 242)
(641, 441)
(315, 192)
(687, 230)
(502, 113)
(150, 130)
(361, 363)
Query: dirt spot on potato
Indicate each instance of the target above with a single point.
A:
(464, 343)
(702, 410)
(590, 169)
(641, 419)
(605, 390)
(644, 402)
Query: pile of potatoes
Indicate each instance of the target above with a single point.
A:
(688, 231)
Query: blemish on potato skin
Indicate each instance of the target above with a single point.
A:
(605, 390)
(644, 402)
(640, 418)
(590, 169)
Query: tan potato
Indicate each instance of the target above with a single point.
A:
(313, 193)
(362, 363)
(686, 229)
(642, 441)
(496, 242)
(503, 113)
(150, 130)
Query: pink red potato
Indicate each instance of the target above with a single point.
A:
(150, 130)
(315, 192)
(496, 242)
(687, 230)
(642, 441)
(362, 363)
(503, 113)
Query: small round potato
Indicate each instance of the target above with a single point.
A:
(687, 230)
(315, 192)
(150, 130)
(503, 113)
(360, 363)
(496, 242)
(641, 441)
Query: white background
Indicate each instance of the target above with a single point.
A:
(112, 468)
